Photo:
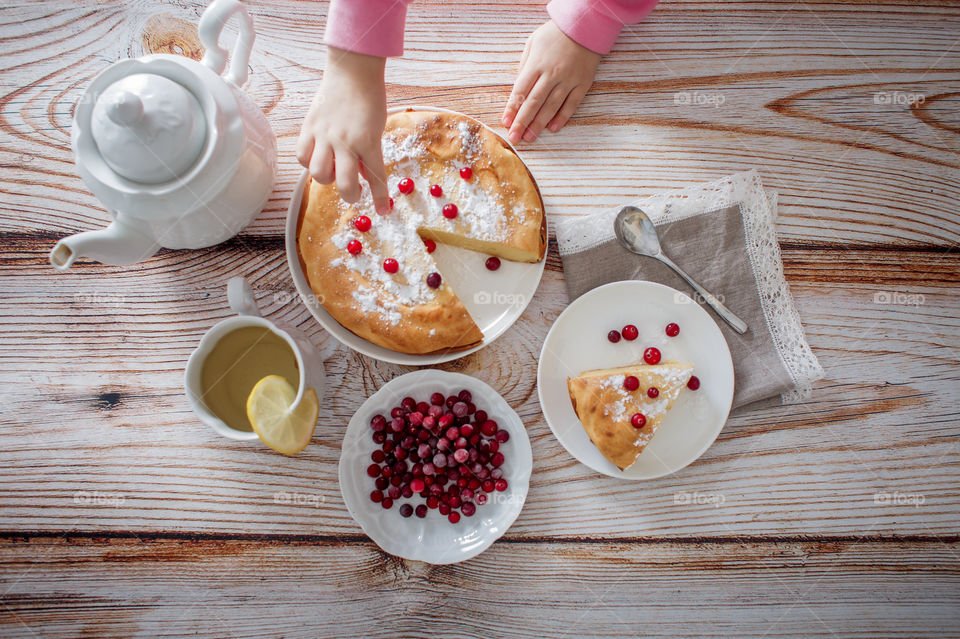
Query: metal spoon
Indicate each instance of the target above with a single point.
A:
(638, 235)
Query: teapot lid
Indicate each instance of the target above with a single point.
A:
(211, 140)
(148, 128)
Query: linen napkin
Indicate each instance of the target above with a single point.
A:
(723, 234)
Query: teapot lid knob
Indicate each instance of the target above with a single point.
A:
(125, 109)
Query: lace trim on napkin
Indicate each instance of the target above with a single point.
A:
(758, 209)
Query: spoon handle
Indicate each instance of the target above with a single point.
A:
(728, 316)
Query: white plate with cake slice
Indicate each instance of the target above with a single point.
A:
(677, 422)
(473, 301)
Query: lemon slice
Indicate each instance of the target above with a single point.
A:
(269, 410)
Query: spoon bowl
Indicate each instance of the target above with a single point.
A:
(637, 234)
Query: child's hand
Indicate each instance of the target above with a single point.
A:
(555, 74)
(341, 134)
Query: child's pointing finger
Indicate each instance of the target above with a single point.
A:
(371, 165)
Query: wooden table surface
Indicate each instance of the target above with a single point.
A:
(122, 514)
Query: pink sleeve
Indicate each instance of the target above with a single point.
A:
(596, 24)
(373, 27)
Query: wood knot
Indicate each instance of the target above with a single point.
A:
(165, 33)
(107, 401)
(462, 365)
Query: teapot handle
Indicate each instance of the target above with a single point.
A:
(211, 26)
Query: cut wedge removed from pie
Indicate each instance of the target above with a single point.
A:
(607, 409)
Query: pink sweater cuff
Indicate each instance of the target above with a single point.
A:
(371, 27)
(595, 24)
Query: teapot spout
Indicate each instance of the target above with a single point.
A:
(119, 244)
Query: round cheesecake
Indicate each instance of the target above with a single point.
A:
(469, 189)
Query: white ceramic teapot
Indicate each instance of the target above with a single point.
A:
(180, 156)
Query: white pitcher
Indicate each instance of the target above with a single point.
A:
(180, 156)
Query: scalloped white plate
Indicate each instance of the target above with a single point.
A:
(495, 300)
(433, 539)
(577, 342)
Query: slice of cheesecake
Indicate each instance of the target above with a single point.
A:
(616, 408)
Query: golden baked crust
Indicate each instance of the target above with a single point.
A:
(516, 232)
(437, 322)
(500, 213)
(605, 408)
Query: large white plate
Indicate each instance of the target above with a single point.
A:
(433, 539)
(494, 299)
(578, 342)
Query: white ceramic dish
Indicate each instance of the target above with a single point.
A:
(433, 539)
(494, 299)
(578, 342)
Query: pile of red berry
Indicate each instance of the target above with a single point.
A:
(445, 452)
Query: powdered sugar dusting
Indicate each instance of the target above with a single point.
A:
(469, 140)
(408, 286)
(643, 436)
(675, 376)
(670, 382)
(483, 215)
(655, 408)
(613, 381)
(340, 240)
(370, 302)
(617, 409)
(408, 148)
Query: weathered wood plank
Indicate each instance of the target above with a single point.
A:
(95, 434)
(874, 450)
(813, 96)
(211, 588)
